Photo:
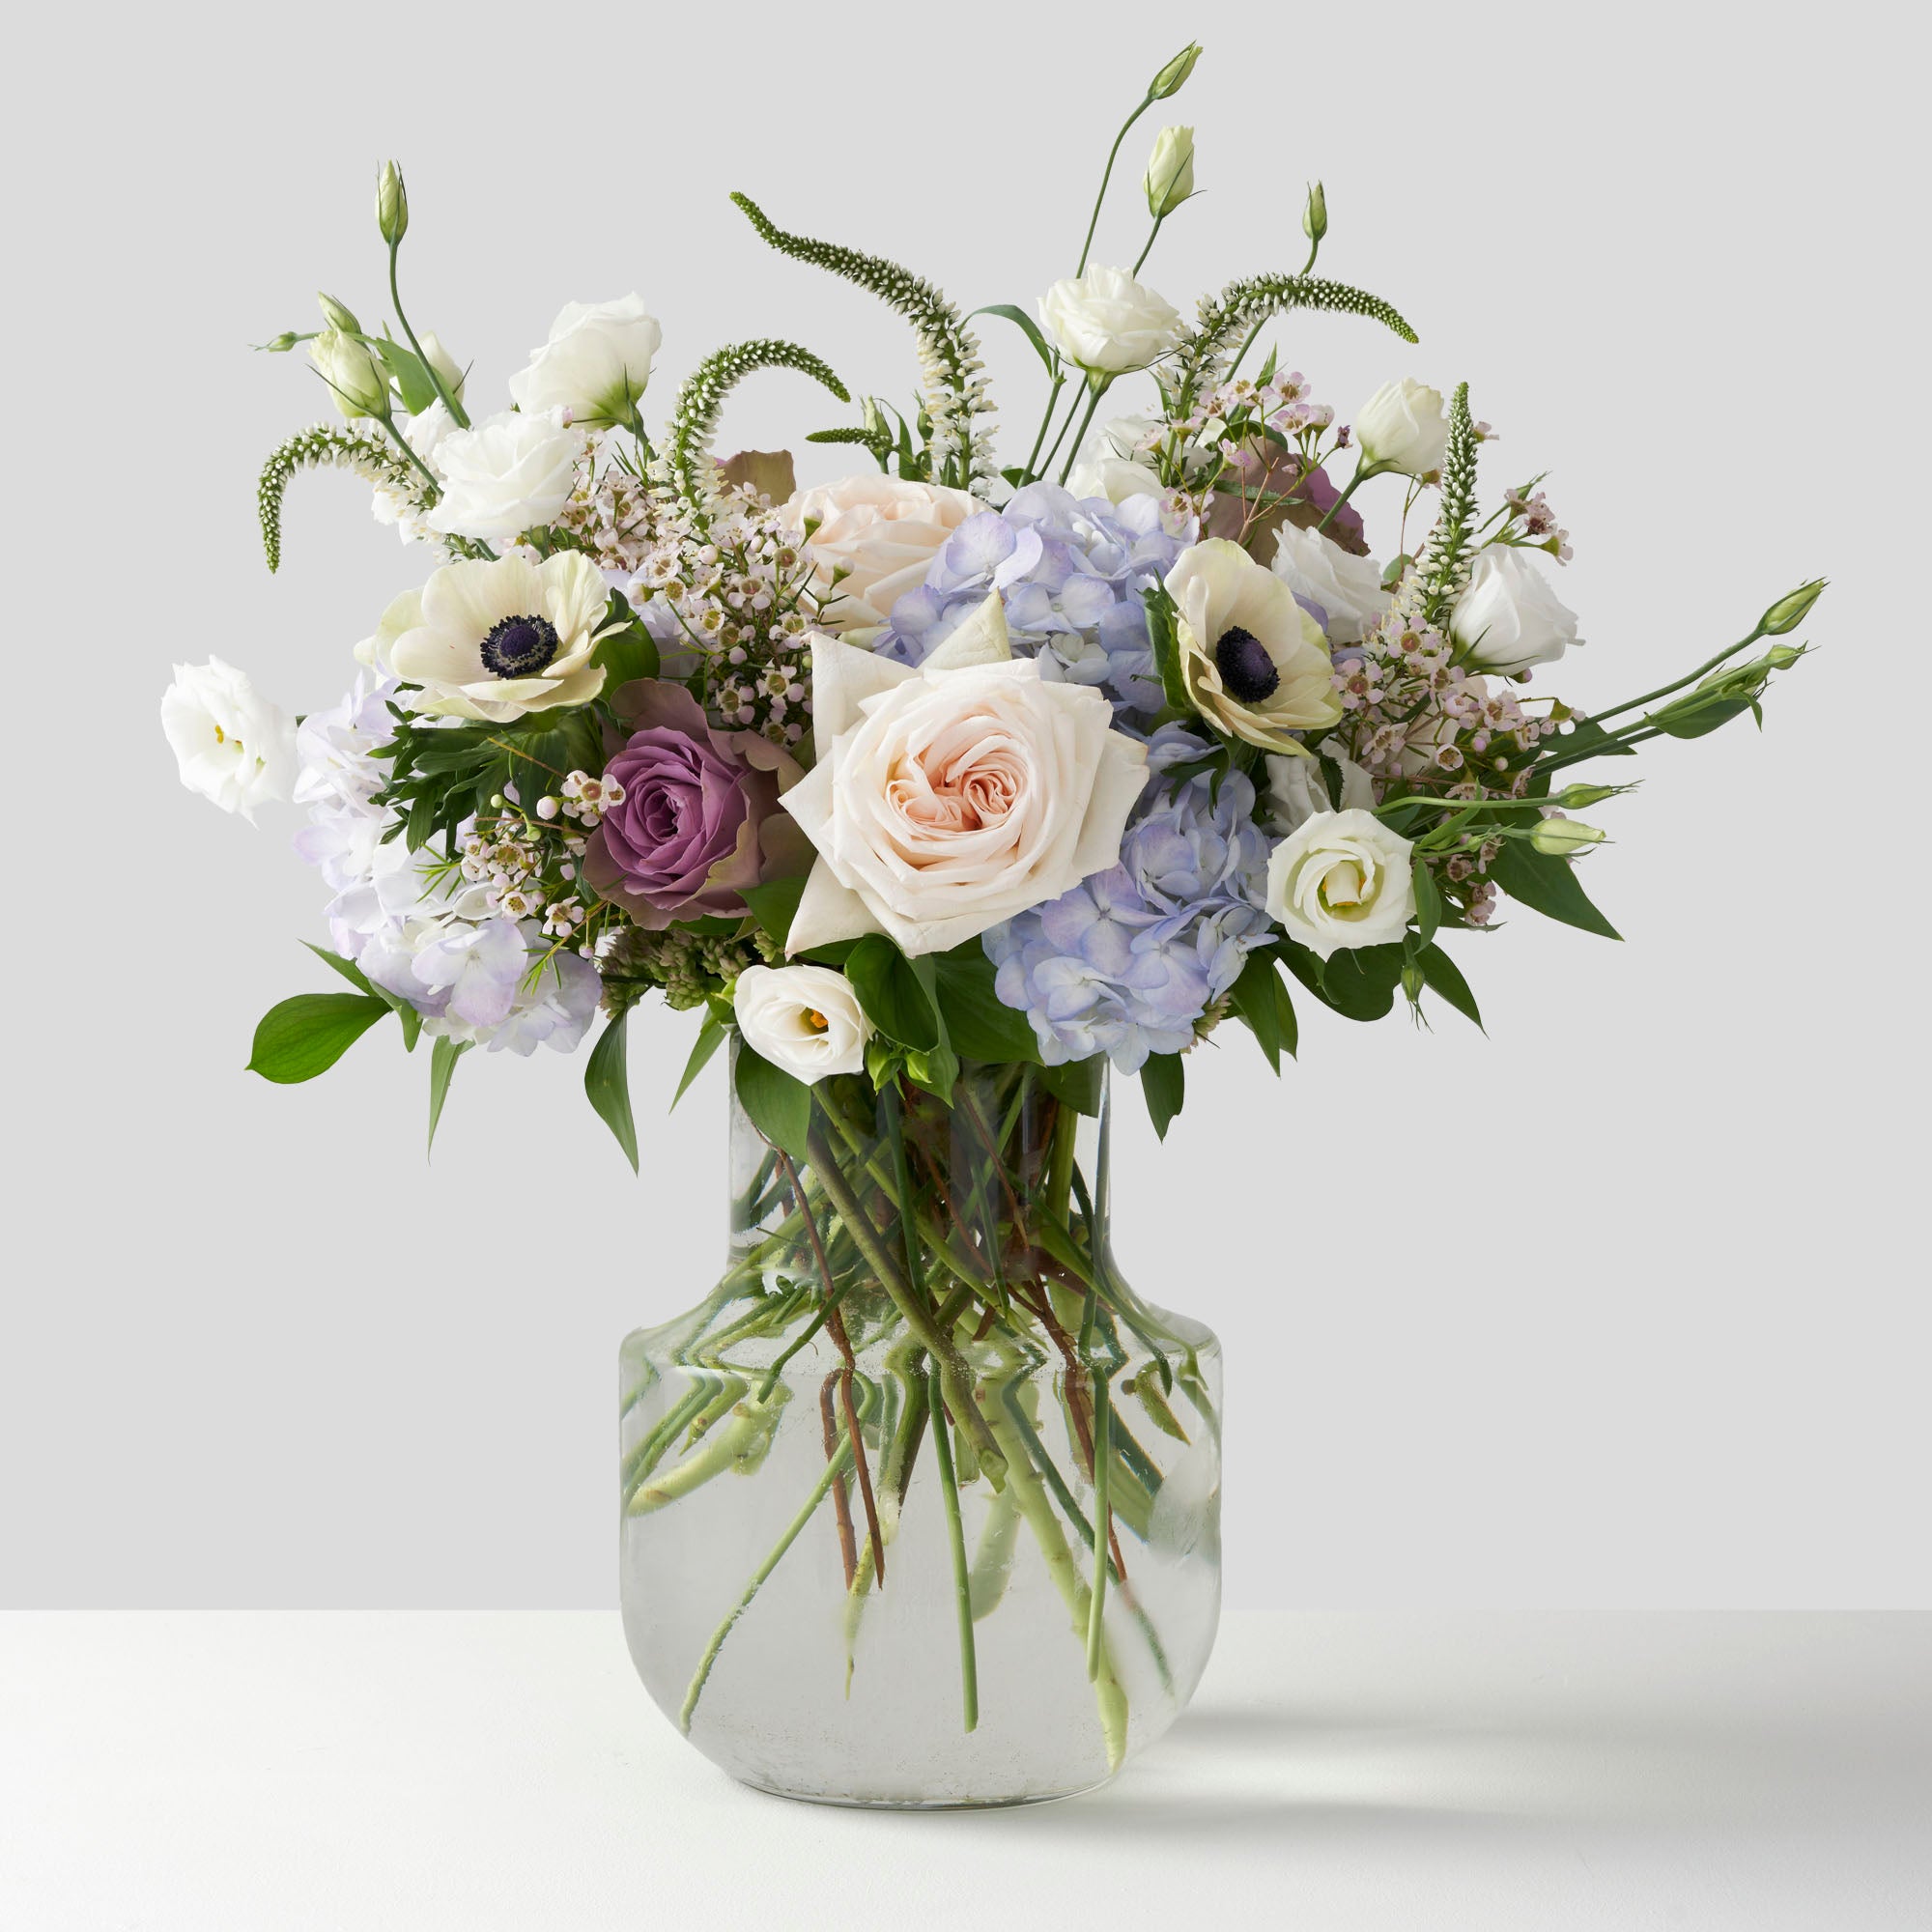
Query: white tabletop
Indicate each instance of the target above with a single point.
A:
(1426, 1771)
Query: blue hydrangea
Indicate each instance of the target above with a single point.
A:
(1126, 963)
(1071, 573)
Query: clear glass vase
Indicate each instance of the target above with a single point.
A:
(863, 1480)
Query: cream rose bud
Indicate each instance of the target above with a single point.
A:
(1340, 880)
(1403, 425)
(504, 475)
(595, 363)
(806, 1019)
(1170, 171)
(953, 796)
(1115, 478)
(233, 745)
(1349, 589)
(1107, 323)
(1297, 789)
(1509, 618)
(358, 388)
(882, 533)
(1254, 662)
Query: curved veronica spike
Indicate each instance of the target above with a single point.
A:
(948, 352)
(1227, 319)
(343, 449)
(695, 421)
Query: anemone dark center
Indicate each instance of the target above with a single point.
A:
(520, 646)
(1247, 671)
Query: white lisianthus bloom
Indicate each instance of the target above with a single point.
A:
(504, 475)
(1509, 618)
(882, 533)
(1297, 789)
(595, 363)
(1347, 587)
(395, 503)
(1113, 478)
(1341, 880)
(1403, 425)
(1107, 323)
(951, 796)
(497, 640)
(806, 1019)
(358, 386)
(1170, 171)
(1254, 662)
(233, 745)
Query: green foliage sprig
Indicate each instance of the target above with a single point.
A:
(339, 449)
(948, 352)
(1240, 309)
(695, 421)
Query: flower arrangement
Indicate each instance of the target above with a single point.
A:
(935, 790)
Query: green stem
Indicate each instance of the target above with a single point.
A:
(1072, 410)
(1046, 418)
(1094, 391)
(430, 369)
(962, 1587)
(1664, 690)
(1103, 1519)
(1148, 249)
(833, 1471)
(1113, 155)
(1363, 471)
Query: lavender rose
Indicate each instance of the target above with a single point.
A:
(700, 818)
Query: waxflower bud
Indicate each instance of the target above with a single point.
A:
(1580, 797)
(337, 315)
(392, 204)
(1173, 77)
(1170, 171)
(1314, 216)
(1558, 837)
(1788, 612)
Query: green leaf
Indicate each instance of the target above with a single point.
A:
(1027, 324)
(1444, 977)
(891, 991)
(1077, 1084)
(606, 1080)
(307, 1035)
(979, 1024)
(626, 655)
(710, 1038)
(780, 1107)
(1428, 900)
(774, 905)
(1291, 1030)
(1694, 721)
(1252, 997)
(936, 1069)
(1548, 885)
(348, 968)
(443, 1055)
(1164, 637)
(1164, 1084)
(1360, 985)
(413, 382)
(413, 1022)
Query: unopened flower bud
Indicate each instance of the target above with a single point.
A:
(358, 386)
(392, 204)
(1170, 171)
(1173, 77)
(1314, 216)
(1580, 797)
(444, 363)
(1412, 983)
(1788, 612)
(1781, 657)
(1558, 837)
(337, 315)
(282, 343)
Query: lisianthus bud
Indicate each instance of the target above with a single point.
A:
(1170, 171)
(1781, 657)
(282, 343)
(392, 204)
(1173, 77)
(337, 315)
(1788, 612)
(1314, 216)
(444, 363)
(1558, 837)
(358, 386)
(1580, 797)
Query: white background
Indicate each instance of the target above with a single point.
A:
(1618, 1303)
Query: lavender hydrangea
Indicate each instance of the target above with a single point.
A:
(1071, 573)
(1131, 958)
